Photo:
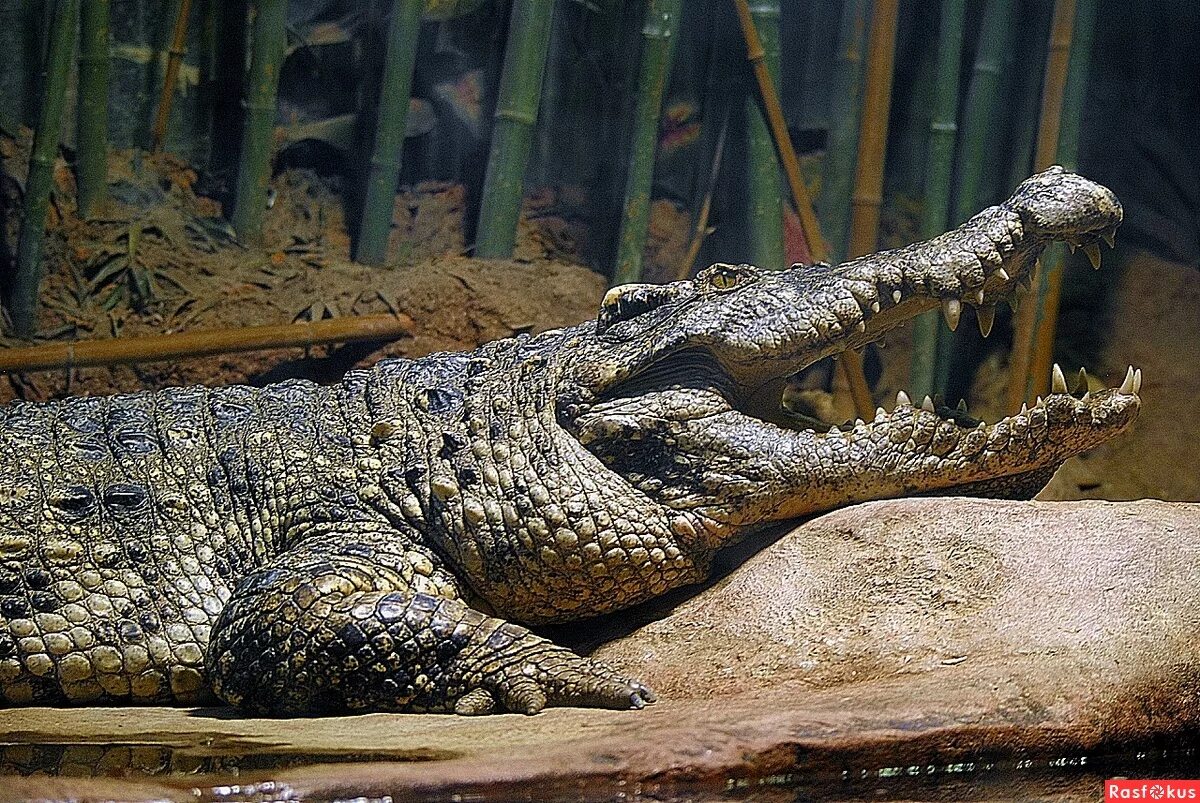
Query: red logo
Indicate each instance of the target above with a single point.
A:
(1152, 790)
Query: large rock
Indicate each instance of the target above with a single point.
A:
(1105, 592)
(929, 635)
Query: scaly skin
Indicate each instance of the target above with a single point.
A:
(366, 546)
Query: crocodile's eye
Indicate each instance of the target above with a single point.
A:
(727, 277)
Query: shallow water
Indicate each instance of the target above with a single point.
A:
(215, 768)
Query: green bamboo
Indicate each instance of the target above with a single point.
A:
(939, 172)
(1048, 286)
(512, 131)
(262, 83)
(660, 29)
(383, 168)
(56, 68)
(1028, 96)
(92, 165)
(764, 214)
(979, 134)
(841, 150)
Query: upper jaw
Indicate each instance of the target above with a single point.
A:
(815, 311)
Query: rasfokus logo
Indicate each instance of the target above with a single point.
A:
(1123, 789)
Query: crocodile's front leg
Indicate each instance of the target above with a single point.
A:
(365, 619)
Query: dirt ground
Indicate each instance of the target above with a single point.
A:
(161, 258)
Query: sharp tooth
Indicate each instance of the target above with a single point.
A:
(880, 413)
(1040, 402)
(1086, 397)
(834, 430)
(896, 296)
(1127, 385)
(1137, 381)
(1058, 382)
(1081, 384)
(903, 400)
(979, 297)
(1024, 409)
(861, 327)
(962, 406)
(1093, 254)
(952, 309)
(927, 405)
(858, 422)
(1072, 246)
(985, 317)
(874, 306)
(1110, 237)
(1003, 274)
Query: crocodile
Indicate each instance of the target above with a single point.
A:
(384, 543)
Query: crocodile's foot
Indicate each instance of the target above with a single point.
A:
(549, 676)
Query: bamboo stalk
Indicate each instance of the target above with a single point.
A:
(660, 29)
(850, 363)
(868, 180)
(512, 131)
(764, 208)
(56, 67)
(872, 140)
(1025, 117)
(981, 110)
(202, 343)
(1049, 285)
(92, 116)
(756, 55)
(700, 230)
(841, 149)
(262, 84)
(383, 168)
(174, 58)
(1025, 323)
(943, 133)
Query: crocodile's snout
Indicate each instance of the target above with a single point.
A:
(1057, 203)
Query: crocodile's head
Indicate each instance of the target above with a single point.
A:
(678, 388)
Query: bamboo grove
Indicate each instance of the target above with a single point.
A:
(958, 140)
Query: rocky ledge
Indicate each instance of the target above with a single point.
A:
(939, 640)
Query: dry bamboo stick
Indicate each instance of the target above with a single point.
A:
(783, 143)
(868, 181)
(872, 141)
(202, 343)
(1054, 85)
(850, 362)
(174, 58)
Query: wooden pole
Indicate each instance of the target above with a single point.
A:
(1054, 83)
(27, 277)
(660, 29)
(202, 343)
(512, 131)
(254, 168)
(92, 102)
(174, 59)
(383, 168)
